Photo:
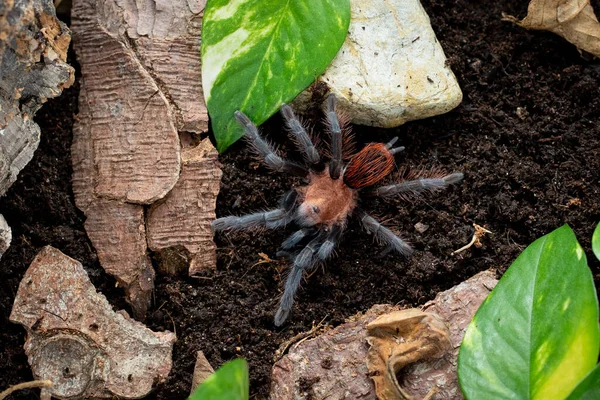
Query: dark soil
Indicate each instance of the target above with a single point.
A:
(526, 174)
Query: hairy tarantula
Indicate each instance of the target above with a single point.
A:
(322, 208)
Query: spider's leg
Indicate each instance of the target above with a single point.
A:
(305, 260)
(305, 145)
(336, 164)
(296, 238)
(266, 150)
(419, 185)
(269, 219)
(331, 240)
(384, 235)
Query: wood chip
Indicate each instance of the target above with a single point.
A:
(184, 217)
(118, 233)
(202, 370)
(77, 341)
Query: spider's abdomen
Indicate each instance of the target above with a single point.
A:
(369, 166)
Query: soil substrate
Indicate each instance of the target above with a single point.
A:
(526, 136)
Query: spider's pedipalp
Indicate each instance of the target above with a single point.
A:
(419, 185)
(331, 240)
(384, 236)
(396, 150)
(305, 144)
(266, 150)
(296, 238)
(336, 164)
(304, 261)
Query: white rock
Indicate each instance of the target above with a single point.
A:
(391, 68)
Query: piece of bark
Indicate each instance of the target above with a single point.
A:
(134, 145)
(457, 306)
(183, 219)
(574, 20)
(77, 341)
(118, 233)
(333, 365)
(202, 370)
(5, 236)
(33, 68)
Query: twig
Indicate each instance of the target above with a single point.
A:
(25, 385)
(299, 338)
(475, 240)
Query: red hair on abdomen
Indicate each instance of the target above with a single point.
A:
(370, 165)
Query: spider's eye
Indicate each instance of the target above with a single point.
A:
(316, 209)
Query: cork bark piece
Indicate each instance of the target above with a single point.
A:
(334, 365)
(77, 341)
(134, 143)
(118, 233)
(183, 219)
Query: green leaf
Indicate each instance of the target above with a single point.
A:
(259, 54)
(230, 382)
(536, 335)
(588, 388)
(596, 242)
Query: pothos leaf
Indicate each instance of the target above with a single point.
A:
(596, 242)
(258, 54)
(228, 382)
(536, 335)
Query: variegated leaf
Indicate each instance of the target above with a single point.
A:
(259, 54)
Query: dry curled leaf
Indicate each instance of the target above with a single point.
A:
(574, 20)
(399, 339)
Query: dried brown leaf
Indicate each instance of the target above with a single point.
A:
(574, 20)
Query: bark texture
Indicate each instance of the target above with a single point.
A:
(77, 341)
(33, 68)
(334, 365)
(140, 174)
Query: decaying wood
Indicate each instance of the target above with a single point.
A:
(334, 365)
(5, 235)
(574, 20)
(77, 341)
(118, 233)
(33, 68)
(140, 93)
(183, 219)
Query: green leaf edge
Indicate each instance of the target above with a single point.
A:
(588, 388)
(500, 285)
(238, 367)
(596, 242)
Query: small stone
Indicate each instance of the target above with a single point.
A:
(77, 341)
(406, 79)
(420, 227)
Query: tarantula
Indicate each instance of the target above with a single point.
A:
(322, 208)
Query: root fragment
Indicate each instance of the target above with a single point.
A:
(475, 240)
